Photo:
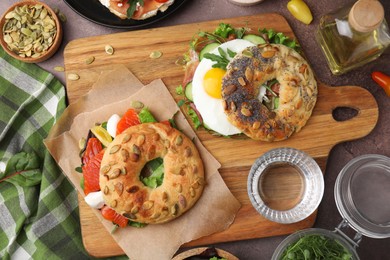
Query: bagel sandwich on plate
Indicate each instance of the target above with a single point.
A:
(136, 9)
(256, 84)
(139, 171)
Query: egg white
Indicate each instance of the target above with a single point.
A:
(211, 108)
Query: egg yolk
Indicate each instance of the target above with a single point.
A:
(212, 82)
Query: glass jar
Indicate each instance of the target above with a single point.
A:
(285, 185)
(353, 35)
(362, 195)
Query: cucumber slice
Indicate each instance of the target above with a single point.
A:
(253, 38)
(207, 49)
(188, 91)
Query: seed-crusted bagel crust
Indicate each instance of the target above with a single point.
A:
(126, 156)
(241, 85)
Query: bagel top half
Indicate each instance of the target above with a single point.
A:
(241, 85)
(124, 160)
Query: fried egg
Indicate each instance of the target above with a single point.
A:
(207, 88)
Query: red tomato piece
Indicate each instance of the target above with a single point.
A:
(130, 118)
(91, 173)
(161, 1)
(111, 215)
(94, 146)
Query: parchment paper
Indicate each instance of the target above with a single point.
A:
(113, 93)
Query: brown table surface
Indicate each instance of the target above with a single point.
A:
(377, 141)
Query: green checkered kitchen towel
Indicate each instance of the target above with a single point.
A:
(38, 205)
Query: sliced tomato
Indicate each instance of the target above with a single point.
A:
(93, 148)
(91, 173)
(130, 118)
(161, 1)
(111, 215)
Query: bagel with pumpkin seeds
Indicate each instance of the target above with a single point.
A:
(297, 92)
(124, 160)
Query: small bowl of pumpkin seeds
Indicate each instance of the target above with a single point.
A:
(30, 31)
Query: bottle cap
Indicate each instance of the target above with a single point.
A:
(366, 15)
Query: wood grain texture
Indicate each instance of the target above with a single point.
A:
(317, 138)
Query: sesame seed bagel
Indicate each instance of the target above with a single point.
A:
(241, 87)
(126, 156)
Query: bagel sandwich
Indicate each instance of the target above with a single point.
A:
(240, 82)
(138, 171)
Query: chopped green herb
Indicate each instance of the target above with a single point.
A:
(79, 169)
(194, 117)
(224, 30)
(280, 38)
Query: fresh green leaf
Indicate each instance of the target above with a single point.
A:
(231, 53)
(133, 7)
(23, 169)
(221, 60)
(179, 90)
(145, 116)
(79, 169)
(156, 168)
(240, 32)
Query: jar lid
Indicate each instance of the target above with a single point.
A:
(366, 15)
(362, 194)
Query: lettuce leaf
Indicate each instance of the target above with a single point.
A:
(156, 168)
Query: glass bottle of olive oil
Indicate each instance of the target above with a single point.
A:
(353, 35)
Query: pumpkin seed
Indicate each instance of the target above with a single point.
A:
(73, 76)
(155, 54)
(109, 49)
(137, 104)
(59, 68)
(182, 201)
(62, 17)
(148, 205)
(115, 149)
(89, 60)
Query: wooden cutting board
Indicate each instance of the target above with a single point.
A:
(235, 155)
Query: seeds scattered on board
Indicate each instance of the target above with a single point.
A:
(29, 30)
(73, 76)
(155, 54)
(109, 49)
